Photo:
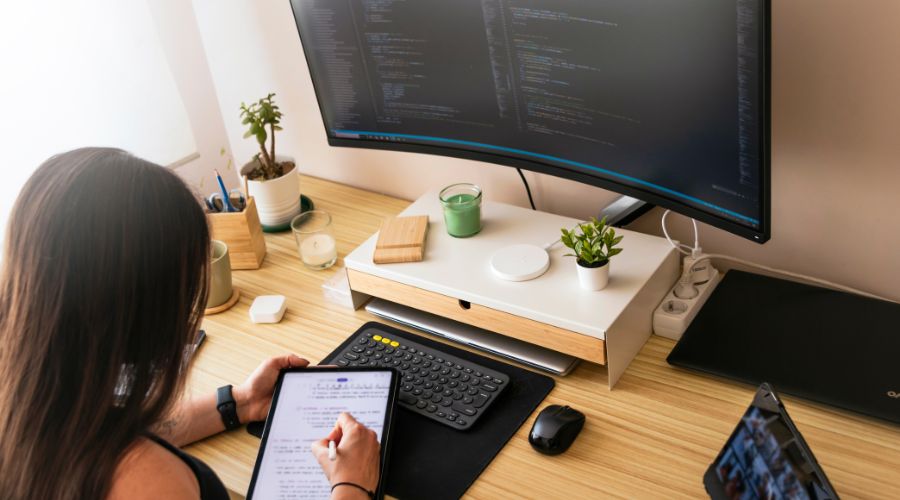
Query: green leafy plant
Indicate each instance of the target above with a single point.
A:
(263, 118)
(594, 246)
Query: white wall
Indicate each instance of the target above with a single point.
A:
(100, 73)
(836, 116)
(179, 39)
(84, 74)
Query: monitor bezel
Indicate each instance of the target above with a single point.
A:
(760, 235)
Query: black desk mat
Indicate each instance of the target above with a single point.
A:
(433, 461)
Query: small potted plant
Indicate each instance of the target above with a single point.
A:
(593, 248)
(272, 180)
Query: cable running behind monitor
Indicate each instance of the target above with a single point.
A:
(663, 100)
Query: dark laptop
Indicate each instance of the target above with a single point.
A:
(831, 347)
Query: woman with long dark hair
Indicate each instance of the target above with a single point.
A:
(104, 284)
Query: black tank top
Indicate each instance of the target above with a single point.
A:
(211, 487)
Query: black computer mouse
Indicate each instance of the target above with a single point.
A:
(555, 428)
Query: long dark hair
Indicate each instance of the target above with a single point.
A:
(103, 285)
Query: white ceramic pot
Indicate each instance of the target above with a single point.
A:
(277, 200)
(593, 278)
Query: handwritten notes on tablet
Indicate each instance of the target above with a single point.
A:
(307, 408)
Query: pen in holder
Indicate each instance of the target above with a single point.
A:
(243, 234)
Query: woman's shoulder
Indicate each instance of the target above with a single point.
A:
(148, 470)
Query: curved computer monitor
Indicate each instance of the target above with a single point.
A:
(666, 101)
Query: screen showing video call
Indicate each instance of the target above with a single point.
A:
(763, 460)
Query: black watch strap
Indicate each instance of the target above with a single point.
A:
(227, 407)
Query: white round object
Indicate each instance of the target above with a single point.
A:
(520, 262)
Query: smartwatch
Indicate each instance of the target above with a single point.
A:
(227, 407)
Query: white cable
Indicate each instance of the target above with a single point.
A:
(698, 256)
(695, 250)
(801, 277)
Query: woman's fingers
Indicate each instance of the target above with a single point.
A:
(346, 421)
(292, 361)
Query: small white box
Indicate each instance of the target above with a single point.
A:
(268, 309)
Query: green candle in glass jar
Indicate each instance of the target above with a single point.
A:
(462, 209)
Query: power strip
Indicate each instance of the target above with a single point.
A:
(673, 315)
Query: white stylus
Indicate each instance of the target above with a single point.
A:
(332, 451)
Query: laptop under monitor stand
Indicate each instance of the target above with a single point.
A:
(501, 345)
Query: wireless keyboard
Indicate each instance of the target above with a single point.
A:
(434, 384)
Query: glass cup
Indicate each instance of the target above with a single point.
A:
(462, 209)
(315, 241)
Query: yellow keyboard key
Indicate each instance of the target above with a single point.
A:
(386, 341)
(395, 343)
(376, 338)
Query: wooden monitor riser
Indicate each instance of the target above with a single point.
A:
(454, 280)
(565, 341)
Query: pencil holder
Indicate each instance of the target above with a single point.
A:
(243, 234)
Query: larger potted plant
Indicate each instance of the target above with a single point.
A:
(593, 248)
(272, 180)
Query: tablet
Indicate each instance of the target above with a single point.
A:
(305, 407)
(766, 457)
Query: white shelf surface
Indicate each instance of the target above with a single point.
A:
(460, 268)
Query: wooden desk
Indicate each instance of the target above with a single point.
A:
(653, 436)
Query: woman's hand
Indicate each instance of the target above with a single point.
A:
(358, 459)
(254, 396)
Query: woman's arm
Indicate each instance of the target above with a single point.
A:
(195, 418)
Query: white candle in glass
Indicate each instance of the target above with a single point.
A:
(318, 250)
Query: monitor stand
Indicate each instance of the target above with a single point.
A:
(455, 281)
(624, 210)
